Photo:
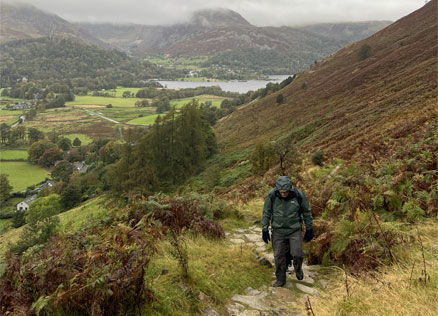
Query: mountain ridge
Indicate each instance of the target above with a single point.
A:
(24, 21)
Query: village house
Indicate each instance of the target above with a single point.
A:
(81, 167)
(21, 106)
(47, 185)
(24, 205)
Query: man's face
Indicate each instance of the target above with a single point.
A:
(284, 193)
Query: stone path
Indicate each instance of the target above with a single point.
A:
(289, 300)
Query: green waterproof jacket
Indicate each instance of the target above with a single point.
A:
(286, 214)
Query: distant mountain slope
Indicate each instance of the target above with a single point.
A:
(355, 101)
(23, 21)
(348, 32)
(225, 34)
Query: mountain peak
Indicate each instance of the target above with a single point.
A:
(217, 17)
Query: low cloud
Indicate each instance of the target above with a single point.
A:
(257, 12)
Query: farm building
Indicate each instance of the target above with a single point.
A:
(24, 205)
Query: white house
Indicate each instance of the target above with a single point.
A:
(24, 205)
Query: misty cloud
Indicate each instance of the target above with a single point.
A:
(257, 12)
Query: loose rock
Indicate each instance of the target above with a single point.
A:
(237, 241)
(307, 289)
(264, 262)
(252, 237)
(211, 312)
(254, 302)
(234, 309)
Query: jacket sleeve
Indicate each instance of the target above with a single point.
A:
(306, 210)
(267, 210)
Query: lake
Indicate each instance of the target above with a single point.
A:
(232, 86)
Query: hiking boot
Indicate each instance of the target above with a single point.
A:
(278, 284)
(299, 274)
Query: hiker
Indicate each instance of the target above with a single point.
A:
(285, 208)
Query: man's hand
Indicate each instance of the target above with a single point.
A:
(265, 236)
(308, 236)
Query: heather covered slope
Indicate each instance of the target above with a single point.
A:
(384, 87)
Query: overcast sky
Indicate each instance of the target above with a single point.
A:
(257, 12)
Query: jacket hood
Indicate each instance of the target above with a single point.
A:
(283, 184)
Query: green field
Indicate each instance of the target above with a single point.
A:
(91, 100)
(9, 99)
(145, 120)
(126, 114)
(120, 90)
(215, 100)
(85, 140)
(9, 117)
(13, 154)
(9, 113)
(22, 174)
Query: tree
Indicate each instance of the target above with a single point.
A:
(142, 103)
(5, 132)
(126, 94)
(43, 208)
(50, 156)
(21, 131)
(37, 149)
(5, 187)
(280, 98)
(34, 135)
(77, 142)
(263, 158)
(64, 143)
(42, 223)
(53, 137)
(287, 153)
(62, 170)
(70, 197)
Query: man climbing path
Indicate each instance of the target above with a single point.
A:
(285, 209)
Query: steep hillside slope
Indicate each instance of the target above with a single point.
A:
(349, 32)
(381, 88)
(24, 21)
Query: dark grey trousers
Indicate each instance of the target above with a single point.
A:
(281, 245)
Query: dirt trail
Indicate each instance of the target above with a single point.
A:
(267, 300)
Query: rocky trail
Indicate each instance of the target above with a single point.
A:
(290, 300)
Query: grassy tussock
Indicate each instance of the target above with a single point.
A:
(391, 290)
(215, 268)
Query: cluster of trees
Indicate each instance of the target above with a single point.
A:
(48, 97)
(266, 62)
(151, 93)
(54, 61)
(10, 135)
(176, 147)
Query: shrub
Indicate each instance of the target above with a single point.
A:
(263, 157)
(318, 158)
(413, 211)
(364, 51)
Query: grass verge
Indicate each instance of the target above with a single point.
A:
(391, 290)
(215, 268)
